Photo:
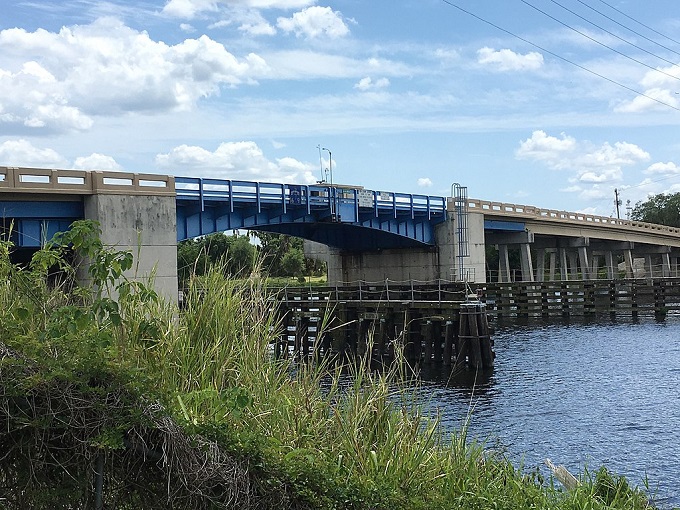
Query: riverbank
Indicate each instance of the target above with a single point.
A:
(131, 403)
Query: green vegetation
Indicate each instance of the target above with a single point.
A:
(278, 255)
(189, 410)
(661, 209)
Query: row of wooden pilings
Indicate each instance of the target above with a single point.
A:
(447, 333)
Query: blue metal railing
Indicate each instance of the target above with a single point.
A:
(263, 194)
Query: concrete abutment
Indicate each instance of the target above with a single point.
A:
(144, 225)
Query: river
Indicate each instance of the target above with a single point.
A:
(583, 394)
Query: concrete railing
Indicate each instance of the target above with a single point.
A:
(81, 182)
(528, 212)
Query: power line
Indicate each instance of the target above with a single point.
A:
(613, 34)
(638, 22)
(599, 42)
(610, 80)
(630, 29)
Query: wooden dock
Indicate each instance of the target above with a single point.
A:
(578, 298)
(324, 321)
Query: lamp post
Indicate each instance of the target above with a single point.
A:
(330, 162)
(331, 197)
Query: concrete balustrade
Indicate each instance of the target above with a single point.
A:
(81, 182)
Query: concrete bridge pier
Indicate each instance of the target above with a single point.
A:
(140, 219)
(657, 260)
(505, 239)
(503, 263)
(442, 261)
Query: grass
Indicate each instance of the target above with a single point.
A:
(309, 435)
(350, 441)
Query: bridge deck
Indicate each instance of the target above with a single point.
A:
(352, 218)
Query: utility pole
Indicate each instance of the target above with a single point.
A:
(618, 203)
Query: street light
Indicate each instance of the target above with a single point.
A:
(330, 162)
(331, 193)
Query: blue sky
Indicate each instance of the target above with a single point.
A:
(409, 96)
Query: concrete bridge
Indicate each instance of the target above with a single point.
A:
(362, 234)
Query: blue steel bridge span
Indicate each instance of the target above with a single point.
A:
(36, 203)
(348, 218)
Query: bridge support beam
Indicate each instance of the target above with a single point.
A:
(552, 256)
(145, 225)
(583, 259)
(540, 264)
(503, 264)
(442, 261)
(527, 265)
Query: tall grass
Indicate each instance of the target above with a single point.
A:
(351, 438)
(339, 437)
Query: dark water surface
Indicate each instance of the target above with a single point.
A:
(581, 394)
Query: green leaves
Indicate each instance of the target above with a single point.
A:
(661, 209)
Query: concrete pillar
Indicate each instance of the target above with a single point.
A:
(503, 263)
(628, 260)
(594, 266)
(527, 264)
(649, 267)
(573, 265)
(540, 264)
(553, 263)
(665, 265)
(609, 263)
(563, 264)
(144, 225)
(583, 259)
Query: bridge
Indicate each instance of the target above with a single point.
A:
(362, 234)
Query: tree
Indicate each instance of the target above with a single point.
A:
(194, 256)
(240, 255)
(293, 263)
(661, 209)
(281, 253)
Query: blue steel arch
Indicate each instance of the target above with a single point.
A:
(352, 219)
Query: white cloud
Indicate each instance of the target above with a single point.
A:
(24, 153)
(306, 64)
(277, 4)
(235, 160)
(508, 60)
(315, 22)
(188, 9)
(589, 164)
(96, 161)
(106, 68)
(425, 182)
(447, 55)
(261, 28)
(186, 27)
(663, 168)
(660, 86)
(548, 149)
(367, 83)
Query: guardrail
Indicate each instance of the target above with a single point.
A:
(81, 182)
(264, 193)
(502, 209)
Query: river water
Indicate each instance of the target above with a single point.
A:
(583, 394)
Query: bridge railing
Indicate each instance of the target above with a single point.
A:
(503, 209)
(81, 182)
(384, 291)
(262, 193)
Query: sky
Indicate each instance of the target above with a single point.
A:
(541, 102)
